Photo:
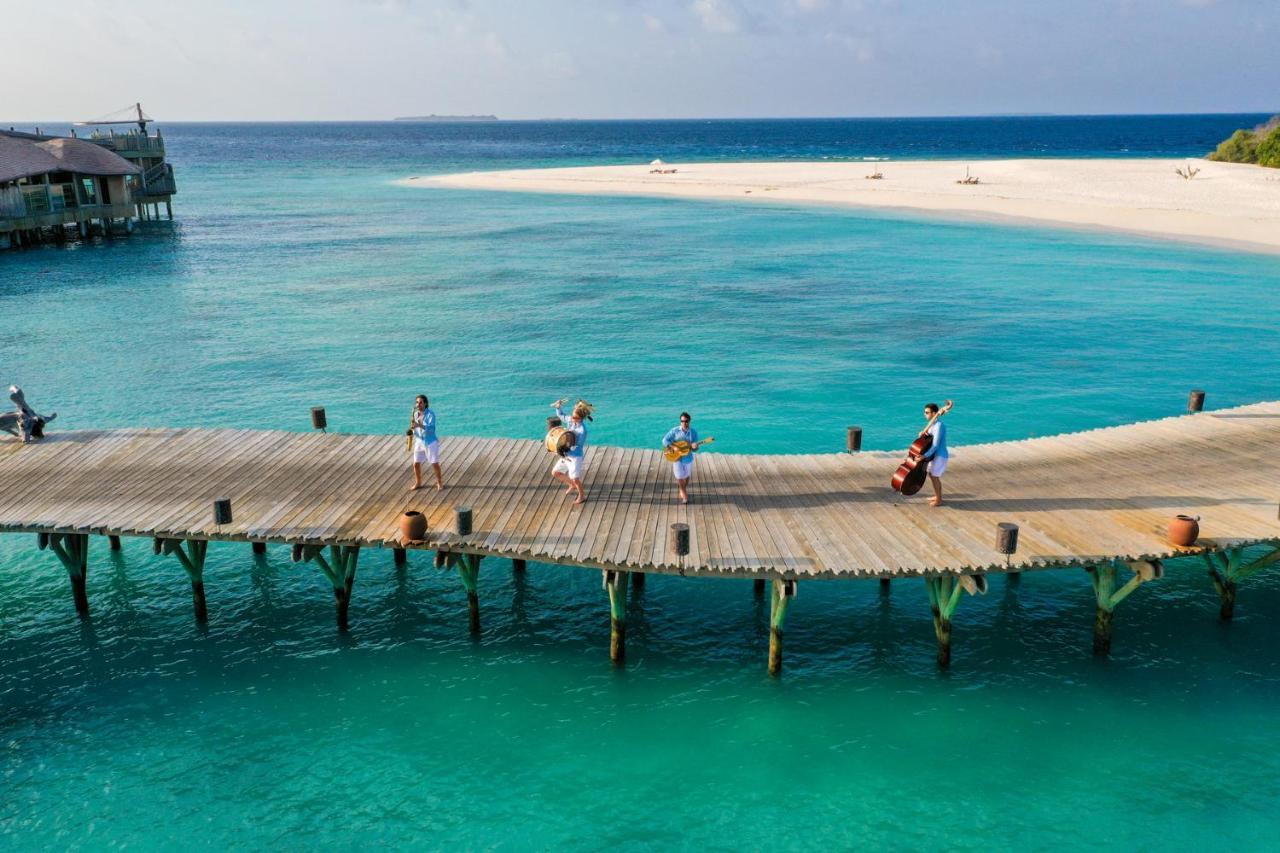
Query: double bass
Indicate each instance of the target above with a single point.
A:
(910, 476)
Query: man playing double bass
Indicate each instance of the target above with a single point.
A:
(936, 456)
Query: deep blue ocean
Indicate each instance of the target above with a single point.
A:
(298, 273)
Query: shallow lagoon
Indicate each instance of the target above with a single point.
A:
(301, 279)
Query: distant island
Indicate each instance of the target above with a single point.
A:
(434, 117)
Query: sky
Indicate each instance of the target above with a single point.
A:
(526, 59)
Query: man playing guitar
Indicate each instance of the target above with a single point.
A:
(682, 467)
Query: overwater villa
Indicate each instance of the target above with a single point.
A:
(103, 182)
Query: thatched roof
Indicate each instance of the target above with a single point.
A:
(20, 158)
(86, 158)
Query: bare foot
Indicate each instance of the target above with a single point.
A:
(415, 488)
(935, 501)
(581, 500)
(439, 487)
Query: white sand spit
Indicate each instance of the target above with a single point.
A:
(1225, 204)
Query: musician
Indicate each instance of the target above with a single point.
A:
(570, 467)
(682, 468)
(937, 454)
(425, 446)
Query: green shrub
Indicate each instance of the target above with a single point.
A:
(1242, 147)
(1269, 150)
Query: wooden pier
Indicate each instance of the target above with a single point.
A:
(1097, 500)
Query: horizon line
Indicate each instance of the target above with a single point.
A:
(411, 120)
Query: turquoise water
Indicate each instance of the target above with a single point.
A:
(299, 275)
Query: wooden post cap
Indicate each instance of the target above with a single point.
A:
(1007, 537)
(680, 539)
(318, 418)
(222, 511)
(853, 439)
(1195, 403)
(462, 517)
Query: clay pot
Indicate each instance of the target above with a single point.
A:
(1184, 530)
(413, 526)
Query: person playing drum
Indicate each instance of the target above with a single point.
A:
(682, 468)
(425, 446)
(571, 466)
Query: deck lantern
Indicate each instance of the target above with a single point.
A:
(853, 439)
(222, 511)
(462, 517)
(680, 539)
(1195, 403)
(318, 419)
(1007, 538)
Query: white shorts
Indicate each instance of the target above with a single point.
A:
(571, 466)
(682, 469)
(937, 466)
(430, 453)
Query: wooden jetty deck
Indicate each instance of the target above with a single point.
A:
(1099, 499)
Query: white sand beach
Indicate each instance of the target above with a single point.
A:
(1224, 204)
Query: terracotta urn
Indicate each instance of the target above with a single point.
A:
(413, 526)
(1184, 530)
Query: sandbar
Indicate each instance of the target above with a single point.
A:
(1225, 204)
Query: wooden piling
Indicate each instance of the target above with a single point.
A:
(783, 592)
(615, 583)
(885, 585)
(400, 556)
(72, 550)
(113, 542)
(758, 588)
(192, 560)
(518, 566)
(259, 547)
(469, 571)
(637, 581)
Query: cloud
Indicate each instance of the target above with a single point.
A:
(652, 24)
(718, 16)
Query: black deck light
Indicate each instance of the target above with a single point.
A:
(222, 511)
(318, 419)
(462, 517)
(1195, 403)
(1007, 538)
(853, 439)
(680, 539)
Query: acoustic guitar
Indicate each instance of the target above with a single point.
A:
(911, 474)
(681, 449)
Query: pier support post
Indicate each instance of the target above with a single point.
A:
(400, 556)
(72, 550)
(340, 569)
(944, 597)
(1228, 567)
(886, 584)
(114, 542)
(192, 559)
(259, 547)
(615, 583)
(1108, 595)
(518, 566)
(783, 592)
(469, 570)
(757, 588)
(637, 582)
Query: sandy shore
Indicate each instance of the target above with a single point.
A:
(1225, 204)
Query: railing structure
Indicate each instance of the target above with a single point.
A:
(133, 141)
(158, 180)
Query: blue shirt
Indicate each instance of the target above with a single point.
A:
(424, 426)
(681, 434)
(939, 448)
(579, 431)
